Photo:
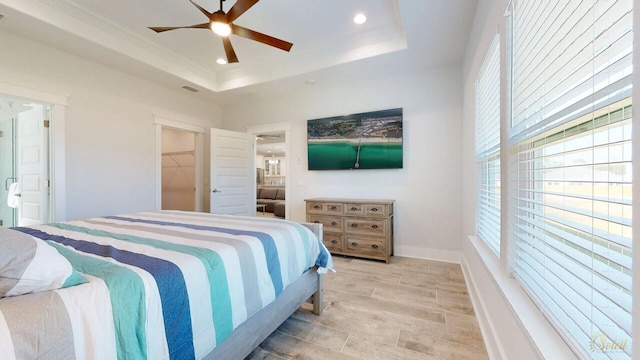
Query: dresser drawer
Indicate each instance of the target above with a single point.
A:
(333, 242)
(354, 209)
(376, 210)
(333, 208)
(315, 207)
(365, 226)
(329, 223)
(324, 208)
(368, 247)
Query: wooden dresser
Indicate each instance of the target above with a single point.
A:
(354, 227)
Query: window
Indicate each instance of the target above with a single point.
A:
(488, 148)
(570, 180)
(272, 167)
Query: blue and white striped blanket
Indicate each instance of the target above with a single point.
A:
(161, 285)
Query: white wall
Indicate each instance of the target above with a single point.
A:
(426, 191)
(110, 134)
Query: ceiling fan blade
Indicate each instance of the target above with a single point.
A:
(160, 29)
(260, 37)
(228, 49)
(202, 10)
(238, 9)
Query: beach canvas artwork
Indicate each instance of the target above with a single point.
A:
(371, 140)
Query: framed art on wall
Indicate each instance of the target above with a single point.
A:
(371, 140)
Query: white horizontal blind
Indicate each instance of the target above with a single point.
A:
(571, 180)
(488, 147)
(564, 53)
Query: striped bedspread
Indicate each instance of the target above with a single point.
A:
(161, 285)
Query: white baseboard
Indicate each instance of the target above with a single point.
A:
(489, 333)
(428, 254)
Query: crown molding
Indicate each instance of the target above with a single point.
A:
(75, 18)
(72, 17)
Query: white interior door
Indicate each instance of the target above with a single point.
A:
(32, 156)
(232, 173)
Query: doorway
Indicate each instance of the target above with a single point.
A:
(24, 162)
(270, 159)
(178, 170)
(273, 164)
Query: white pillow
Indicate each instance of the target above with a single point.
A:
(30, 265)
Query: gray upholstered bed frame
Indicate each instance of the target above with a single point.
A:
(246, 337)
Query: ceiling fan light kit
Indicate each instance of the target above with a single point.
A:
(222, 24)
(360, 19)
(221, 28)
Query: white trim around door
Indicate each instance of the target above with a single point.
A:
(57, 157)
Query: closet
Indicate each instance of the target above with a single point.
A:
(178, 170)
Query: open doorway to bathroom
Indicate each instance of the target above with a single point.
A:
(178, 169)
(24, 162)
(271, 170)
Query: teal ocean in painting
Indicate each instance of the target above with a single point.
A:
(344, 155)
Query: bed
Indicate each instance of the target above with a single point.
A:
(154, 285)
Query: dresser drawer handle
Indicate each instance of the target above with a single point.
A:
(354, 244)
(334, 223)
(374, 226)
(374, 246)
(354, 225)
(333, 207)
(316, 206)
(334, 241)
(316, 222)
(374, 209)
(354, 209)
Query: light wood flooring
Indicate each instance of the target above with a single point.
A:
(265, 214)
(407, 309)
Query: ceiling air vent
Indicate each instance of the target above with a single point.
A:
(186, 87)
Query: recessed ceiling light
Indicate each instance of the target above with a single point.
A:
(221, 61)
(360, 19)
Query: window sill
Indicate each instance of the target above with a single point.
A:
(521, 332)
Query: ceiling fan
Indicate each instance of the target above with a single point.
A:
(222, 24)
